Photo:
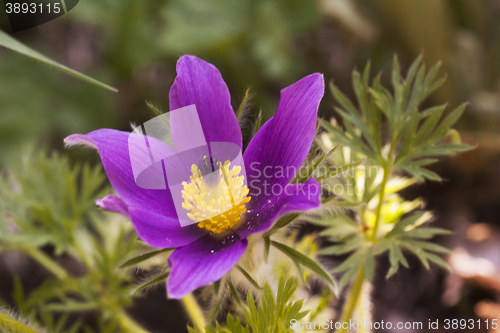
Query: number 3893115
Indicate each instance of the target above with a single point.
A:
(32, 8)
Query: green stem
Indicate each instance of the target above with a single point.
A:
(129, 324)
(126, 322)
(353, 300)
(387, 171)
(91, 271)
(47, 262)
(11, 325)
(194, 312)
(380, 201)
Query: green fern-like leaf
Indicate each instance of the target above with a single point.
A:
(417, 135)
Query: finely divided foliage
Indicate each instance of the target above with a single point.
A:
(413, 136)
(273, 314)
(47, 202)
(394, 135)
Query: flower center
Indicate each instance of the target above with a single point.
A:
(216, 201)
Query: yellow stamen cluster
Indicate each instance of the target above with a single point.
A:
(216, 205)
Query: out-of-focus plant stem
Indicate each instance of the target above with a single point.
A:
(353, 300)
(378, 212)
(47, 262)
(387, 171)
(126, 322)
(129, 324)
(11, 325)
(194, 312)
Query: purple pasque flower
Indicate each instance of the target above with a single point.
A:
(281, 145)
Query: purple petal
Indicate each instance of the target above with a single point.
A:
(292, 198)
(114, 151)
(202, 263)
(162, 231)
(152, 211)
(281, 145)
(113, 203)
(200, 83)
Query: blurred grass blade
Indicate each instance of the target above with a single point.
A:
(216, 307)
(10, 43)
(72, 306)
(248, 277)
(153, 281)
(267, 246)
(234, 293)
(143, 257)
(301, 259)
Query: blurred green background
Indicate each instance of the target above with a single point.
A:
(262, 45)
(266, 45)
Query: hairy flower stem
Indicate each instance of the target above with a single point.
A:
(9, 324)
(353, 300)
(194, 312)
